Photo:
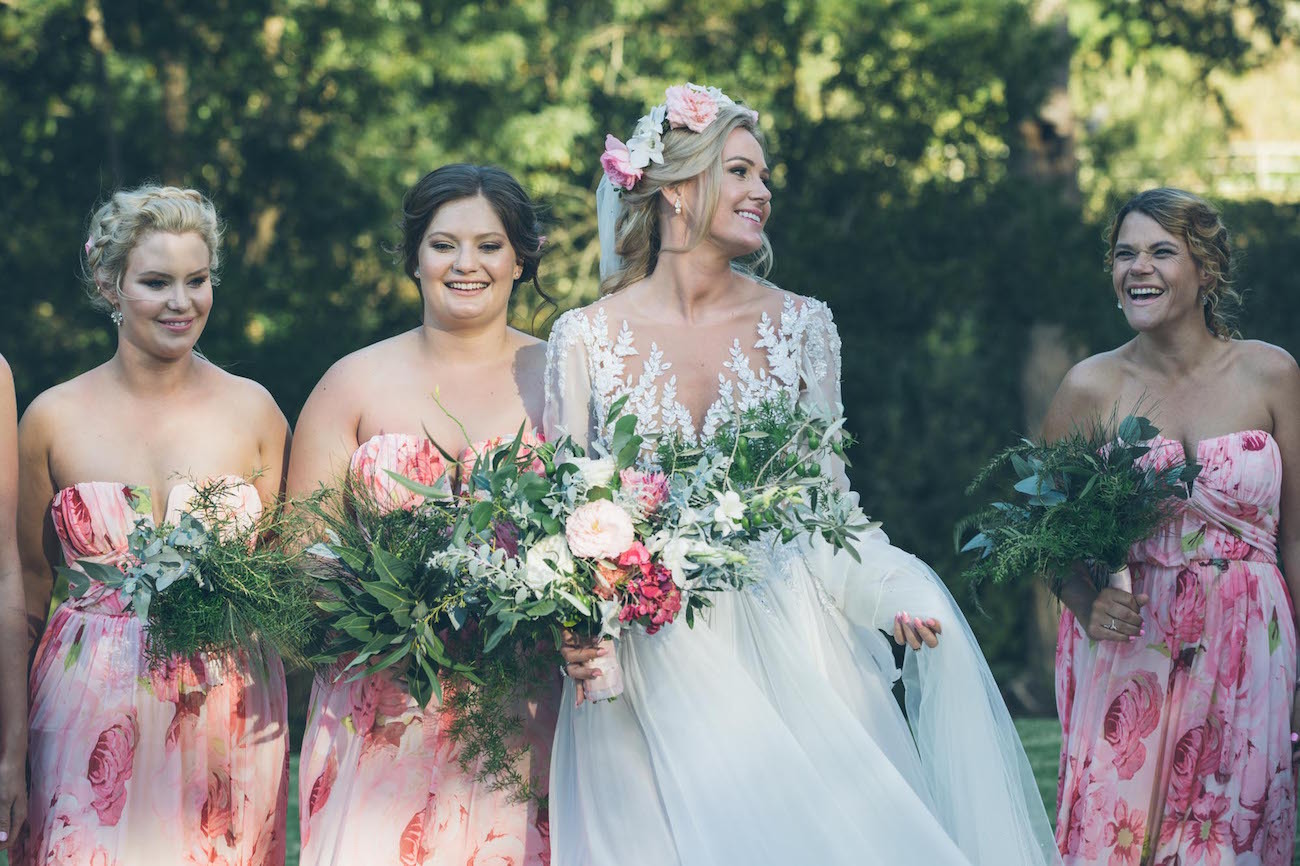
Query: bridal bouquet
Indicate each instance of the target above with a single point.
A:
(1087, 498)
(204, 583)
(466, 593)
(600, 544)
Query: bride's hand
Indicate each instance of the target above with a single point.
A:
(577, 652)
(914, 631)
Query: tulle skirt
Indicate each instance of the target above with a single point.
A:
(769, 734)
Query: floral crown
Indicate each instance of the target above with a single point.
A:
(685, 106)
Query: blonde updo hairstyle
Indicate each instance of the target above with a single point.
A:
(687, 156)
(127, 217)
(1199, 224)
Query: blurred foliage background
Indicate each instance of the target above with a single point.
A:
(943, 171)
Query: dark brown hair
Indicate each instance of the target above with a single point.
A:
(463, 180)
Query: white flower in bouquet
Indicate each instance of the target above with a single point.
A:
(599, 530)
(547, 561)
(597, 472)
(728, 512)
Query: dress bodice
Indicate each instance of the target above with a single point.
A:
(94, 519)
(590, 365)
(1232, 513)
(412, 456)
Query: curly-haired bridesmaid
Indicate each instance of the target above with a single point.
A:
(1176, 699)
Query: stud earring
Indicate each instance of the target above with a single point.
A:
(1118, 305)
(677, 206)
(116, 317)
(416, 273)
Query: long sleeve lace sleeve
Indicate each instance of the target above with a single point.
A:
(568, 409)
(819, 375)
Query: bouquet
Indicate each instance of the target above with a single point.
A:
(467, 593)
(1087, 498)
(613, 541)
(204, 583)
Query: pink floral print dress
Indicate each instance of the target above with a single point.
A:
(138, 765)
(380, 781)
(1177, 746)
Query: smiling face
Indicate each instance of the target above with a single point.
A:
(744, 201)
(467, 267)
(165, 293)
(1157, 280)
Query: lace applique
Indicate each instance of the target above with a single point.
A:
(805, 339)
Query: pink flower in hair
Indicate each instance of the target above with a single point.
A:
(617, 162)
(90, 242)
(690, 107)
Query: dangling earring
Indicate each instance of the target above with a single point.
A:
(677, 206)
(116, 317)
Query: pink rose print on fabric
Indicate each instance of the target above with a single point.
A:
(320, 789)
(1082, 831)
(110, 767)
(411, 850)
(1131, 716)
(215, 816)
(413, 457)
(1254, 440)
(1125, 835)
(1186, 619)
(1195, 758)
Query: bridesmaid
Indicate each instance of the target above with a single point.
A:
(133, 763)
(13, 644)
(380, 783)
(1176, 701)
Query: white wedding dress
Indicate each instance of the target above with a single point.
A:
(768, 733)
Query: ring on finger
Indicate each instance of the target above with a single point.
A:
(564, 670)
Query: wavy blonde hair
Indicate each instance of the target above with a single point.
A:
(1192, 218)
(119, 224)
(687, 156)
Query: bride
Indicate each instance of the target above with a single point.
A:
(767, 734)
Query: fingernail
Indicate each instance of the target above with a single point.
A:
(1295, 738)
(1142, 632)
(4, 837)
(932, 622)
(898, 617)
(603, 651)
(916, 621)
(1132, 638)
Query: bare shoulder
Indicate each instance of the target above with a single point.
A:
(64, 403)
(1088, 391)
(1269, 363)
(248, 398)
(356, 371)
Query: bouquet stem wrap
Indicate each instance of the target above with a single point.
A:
(609, 684)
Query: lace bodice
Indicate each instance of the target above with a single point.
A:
(589, 366)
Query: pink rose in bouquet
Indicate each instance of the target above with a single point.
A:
(648, 489)
(690, 108)
(617, 163)
(599, 530)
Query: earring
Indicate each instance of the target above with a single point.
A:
(677, 206)
(1118, 305)
(116, 317)
(416, 273)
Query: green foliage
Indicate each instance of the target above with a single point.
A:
(1087, 498)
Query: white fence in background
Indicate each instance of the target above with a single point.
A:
(1264, 169)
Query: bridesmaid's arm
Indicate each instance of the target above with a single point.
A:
(273, 440)
(1283, 379)
(1078, 401)
(37, 545)
(327, 433)
(13, 628)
